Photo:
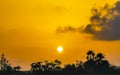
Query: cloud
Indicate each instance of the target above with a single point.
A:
(65, 29)
(104, 23)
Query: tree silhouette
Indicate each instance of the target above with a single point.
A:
(90, 55)
(36, 66)
(99, 56)
(96, 64)
(46, 66)
(17, 68)
(58, 65)
(79, 65)
(4, 64)
(70, 67)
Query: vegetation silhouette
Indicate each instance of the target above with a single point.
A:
(95, 64)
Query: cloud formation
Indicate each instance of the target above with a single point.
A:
(104, 23)
(65, 29)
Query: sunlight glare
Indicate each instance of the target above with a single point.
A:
(60, 49)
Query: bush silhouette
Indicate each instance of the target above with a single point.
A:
(95, 64)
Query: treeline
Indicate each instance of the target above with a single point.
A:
(95, 64)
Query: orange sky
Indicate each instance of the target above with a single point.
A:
(28, 31)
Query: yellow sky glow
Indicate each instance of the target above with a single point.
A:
(28, 31)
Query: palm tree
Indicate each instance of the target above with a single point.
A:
(90, 55)
(99, 56)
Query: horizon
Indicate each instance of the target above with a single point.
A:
(62, 65)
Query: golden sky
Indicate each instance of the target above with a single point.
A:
(28, 31)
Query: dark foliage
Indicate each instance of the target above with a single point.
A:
(95, 64)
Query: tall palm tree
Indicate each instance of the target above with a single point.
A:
(90, 55)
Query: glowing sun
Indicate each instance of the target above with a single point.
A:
(60, 49)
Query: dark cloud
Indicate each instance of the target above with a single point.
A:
(65, 29)
(104, 23)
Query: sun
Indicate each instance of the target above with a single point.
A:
(60, 49)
